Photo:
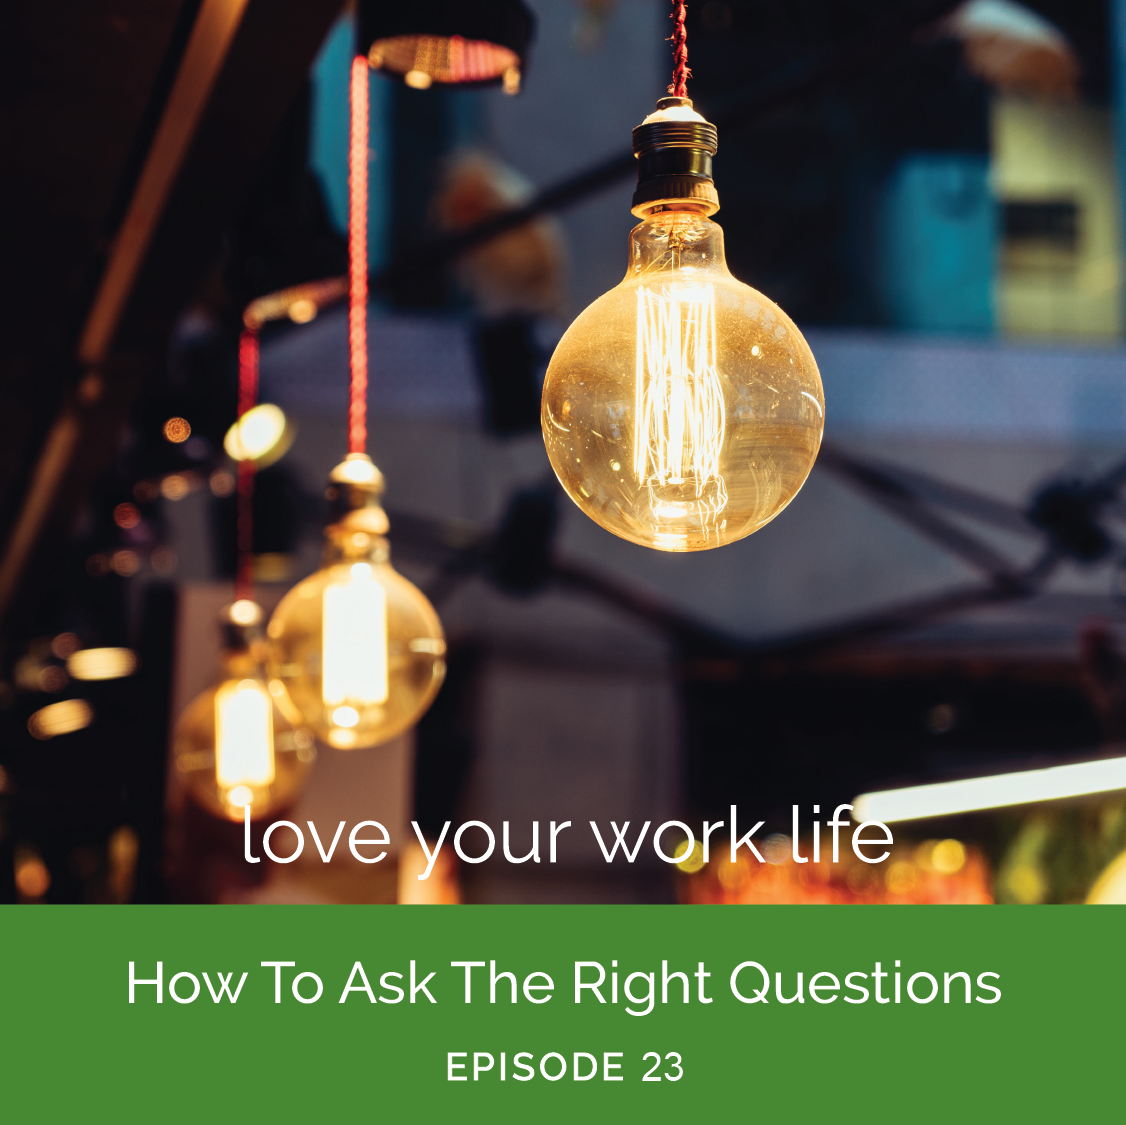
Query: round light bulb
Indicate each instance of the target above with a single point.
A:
(262, 435)
(683, 409)
(233, 746)
(357, 647)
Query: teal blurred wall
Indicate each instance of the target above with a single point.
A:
(939, 249)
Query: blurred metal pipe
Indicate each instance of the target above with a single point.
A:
(887, 488)
(49, 470)
(212, 33)
(911, 482)
(211, 37)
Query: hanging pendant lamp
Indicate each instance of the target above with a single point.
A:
(682, 410)
(355, 648)
(235, 749)
(467, 42)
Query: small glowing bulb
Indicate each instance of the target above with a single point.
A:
(701, 387)
(417, 79)
(346, 716)
(357, 648)
(263, 435)
(177, 430)
(303, 310)
(244, 734)
(233, 746)
(246, 612)
(126, 516)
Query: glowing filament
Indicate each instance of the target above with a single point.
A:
(354, 668)
(244, 734)
(679, 402)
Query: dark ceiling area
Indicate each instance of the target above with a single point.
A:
(88, 90)
(133, 135)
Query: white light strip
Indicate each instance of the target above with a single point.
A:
(974, 794)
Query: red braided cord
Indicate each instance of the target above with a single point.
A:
(247, 397)
(358, 257)
(679, 39)
(247, 371)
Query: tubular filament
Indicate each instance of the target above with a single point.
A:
(680, 418)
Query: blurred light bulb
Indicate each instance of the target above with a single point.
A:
(126, 516)
(682, 410)
(64, 644)
(177, 430)
(358, 648)
(233, 746)
(244, 734)
(101, 663)
(303, 310)
(355, 641)
(240, 796)
(60, 718)
(246, 612)
(32, 878)
(262, 435)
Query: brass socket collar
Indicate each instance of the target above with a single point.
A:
(354, 492)
(241, 625)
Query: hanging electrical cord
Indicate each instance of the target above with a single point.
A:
(247, 398)
(358, 258)
(679, 39)
(356, 648)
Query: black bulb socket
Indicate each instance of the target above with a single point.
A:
(674, 164)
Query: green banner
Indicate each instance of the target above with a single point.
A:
(617, 1013)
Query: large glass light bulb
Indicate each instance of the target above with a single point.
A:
(358, 648)
(683, 409)
(233, 747)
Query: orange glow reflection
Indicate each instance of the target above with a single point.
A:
(933, 871)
